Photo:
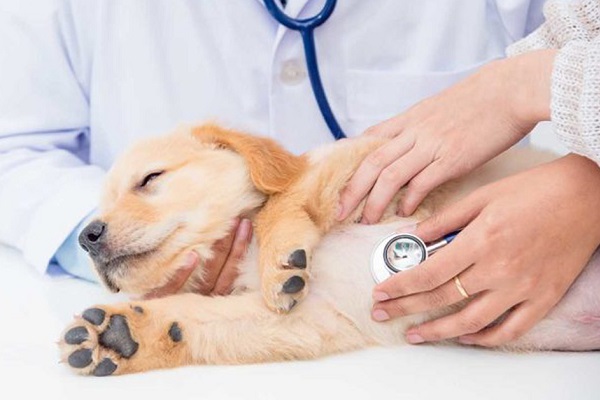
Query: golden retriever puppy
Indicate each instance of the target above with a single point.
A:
(304, 289)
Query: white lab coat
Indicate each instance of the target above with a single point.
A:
(80, 80)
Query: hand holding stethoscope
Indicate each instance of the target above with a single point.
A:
(517, 255)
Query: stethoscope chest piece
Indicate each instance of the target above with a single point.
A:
(403, 251)
(396, 253)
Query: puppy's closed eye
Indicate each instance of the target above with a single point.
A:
(149, 178)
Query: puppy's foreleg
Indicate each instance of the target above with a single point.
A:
(192, 329)
(293, 222)
(286, 236)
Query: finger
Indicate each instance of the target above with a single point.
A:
(478, 314)
(433, 272)
(177, 280)
(455, 216)
(213, 267)
(419, 186)
(443, 296)
(389, 128)
(389, 182)
(229, 272)
(517, 323)
(366, 175)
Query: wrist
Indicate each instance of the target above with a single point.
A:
(583, 174)
(532, 78)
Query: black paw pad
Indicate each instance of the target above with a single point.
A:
(80, 358)
(297, 259)
(76, 335)
(94, 316)
(175, 332)
(293, 285)
(117, 337)
(105, 368)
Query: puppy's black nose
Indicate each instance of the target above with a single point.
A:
(92, 237)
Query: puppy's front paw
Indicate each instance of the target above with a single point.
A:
(112, 340)
(286, 284)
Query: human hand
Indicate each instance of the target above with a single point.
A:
(221, 270)
(526, 239)
(452, 133)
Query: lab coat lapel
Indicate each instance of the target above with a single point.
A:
(293, 9)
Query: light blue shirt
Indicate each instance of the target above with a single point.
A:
(80, 80)
(71, 258)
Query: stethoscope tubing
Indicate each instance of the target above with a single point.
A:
(440, 244)
(301, 24)
(306, 28)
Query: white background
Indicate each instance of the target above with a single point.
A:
(543, 137)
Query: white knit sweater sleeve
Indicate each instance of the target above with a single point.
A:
(573, 28)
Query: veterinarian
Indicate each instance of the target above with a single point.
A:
(526, 238)
(80, 81)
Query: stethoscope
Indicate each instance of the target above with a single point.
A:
(401, 252)
(306, 28)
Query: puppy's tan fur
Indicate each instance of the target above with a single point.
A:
(213, 176)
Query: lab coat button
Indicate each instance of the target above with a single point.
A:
(292, 72)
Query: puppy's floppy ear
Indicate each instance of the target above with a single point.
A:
(272, 168)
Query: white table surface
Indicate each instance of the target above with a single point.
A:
(34, 310)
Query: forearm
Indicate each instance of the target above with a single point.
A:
(562, 86)
(531, 74)
(583, 175)
(44, 195)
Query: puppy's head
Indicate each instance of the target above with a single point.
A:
(181, 192)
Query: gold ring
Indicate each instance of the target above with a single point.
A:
(460, 287)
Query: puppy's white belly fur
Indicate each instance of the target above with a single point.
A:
(341, 277)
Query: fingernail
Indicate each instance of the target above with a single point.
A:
(414, 338)
(191, 259)
(409, 227)
(244, 229)
(380, 296)
(364, 220)
(465, 340)
(380, 315)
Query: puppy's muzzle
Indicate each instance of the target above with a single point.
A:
(93, 239)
